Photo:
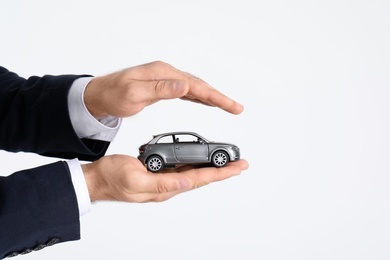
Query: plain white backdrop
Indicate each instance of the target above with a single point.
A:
(314, 77)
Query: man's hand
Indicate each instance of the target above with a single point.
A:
(124, 178)
(127, 92)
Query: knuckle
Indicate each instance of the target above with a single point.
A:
(159, 86)
(162, 187)
(158, 63)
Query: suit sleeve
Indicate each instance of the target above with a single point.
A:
(38, 207)
(34, 117)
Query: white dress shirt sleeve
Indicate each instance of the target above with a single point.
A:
(86, 126)
(80, 186)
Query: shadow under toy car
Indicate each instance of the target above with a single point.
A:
(169, 149)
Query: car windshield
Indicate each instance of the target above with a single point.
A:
(204, 139)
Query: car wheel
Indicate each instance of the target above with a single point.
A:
(155, 163)
(220, 159)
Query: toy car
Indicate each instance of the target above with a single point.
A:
(170, 149)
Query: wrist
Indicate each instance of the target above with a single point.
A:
(92, 96)
(90, 179)
(98, 186)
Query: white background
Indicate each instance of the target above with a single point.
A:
(314, 79)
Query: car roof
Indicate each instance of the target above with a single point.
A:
(177, 132)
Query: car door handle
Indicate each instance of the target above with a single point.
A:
(177, 148)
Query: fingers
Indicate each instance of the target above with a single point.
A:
(166, 185)
(212, 97)
(198, 90)
(203, 176)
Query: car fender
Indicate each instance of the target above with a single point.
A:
(156, 154)
(219, 148)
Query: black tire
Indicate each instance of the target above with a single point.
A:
(219, 159)
(155, 163)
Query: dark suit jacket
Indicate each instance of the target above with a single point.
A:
(38, 207)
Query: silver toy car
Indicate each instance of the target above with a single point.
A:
(169, 149)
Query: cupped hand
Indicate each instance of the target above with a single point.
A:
(127, 92)
(125, 178)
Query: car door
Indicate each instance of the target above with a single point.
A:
(189, 149)
(164, 147)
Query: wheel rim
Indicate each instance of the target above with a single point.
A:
(154, 164)
(220, 159)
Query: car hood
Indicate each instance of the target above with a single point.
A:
(222, 144)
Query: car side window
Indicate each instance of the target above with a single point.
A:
(165, 140)
(185, 138)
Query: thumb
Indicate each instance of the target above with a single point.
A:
(167, 89)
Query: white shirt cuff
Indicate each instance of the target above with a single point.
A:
(80, 186)
(84, 124)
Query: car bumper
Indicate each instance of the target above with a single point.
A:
(234, 155)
